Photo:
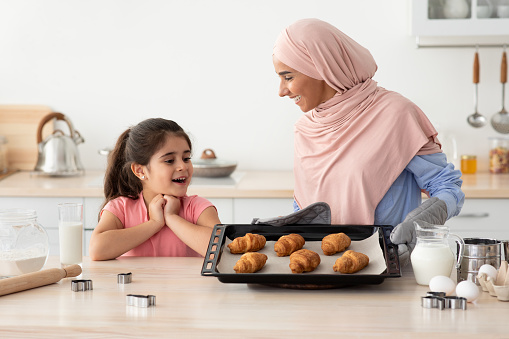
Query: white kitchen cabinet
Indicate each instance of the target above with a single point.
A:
(224, 208)
(482, 218)
(91, 208)
(244, 210)
(47, 215)
(428, 19)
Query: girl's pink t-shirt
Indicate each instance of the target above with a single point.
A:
(164, 243)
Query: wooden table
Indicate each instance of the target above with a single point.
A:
(191, 306)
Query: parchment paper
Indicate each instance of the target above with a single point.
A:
(280, 265)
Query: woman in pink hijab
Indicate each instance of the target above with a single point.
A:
(366, 151)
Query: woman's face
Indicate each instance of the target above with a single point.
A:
(170, 169)
(305, 91)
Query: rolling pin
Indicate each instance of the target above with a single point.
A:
(36, 279)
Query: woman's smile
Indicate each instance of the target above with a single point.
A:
(305, 91)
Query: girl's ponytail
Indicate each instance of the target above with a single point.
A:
(119, 180)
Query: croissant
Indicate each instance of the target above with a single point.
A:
(334, 243)
(351, 262)
(304, 261)
(250, 262)
(248, 243)
(288, 244)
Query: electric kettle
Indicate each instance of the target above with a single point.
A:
(58, 154)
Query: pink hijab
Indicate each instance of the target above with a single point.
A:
(350, 149)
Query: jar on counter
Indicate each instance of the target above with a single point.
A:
(468, 164)
(24, 245)
(499, 155)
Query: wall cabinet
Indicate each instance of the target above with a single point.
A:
(448, 17)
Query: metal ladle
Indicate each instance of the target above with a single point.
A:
(500, 121)
(476, 119)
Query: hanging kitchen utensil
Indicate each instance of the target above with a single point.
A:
(210, 166)
(500, 121)
(476, 119)
(58, 154)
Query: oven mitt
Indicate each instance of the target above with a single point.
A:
(432, 211)
(317, 213)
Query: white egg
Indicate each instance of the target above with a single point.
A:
(489, 270)
(441, 283)
(467, 290)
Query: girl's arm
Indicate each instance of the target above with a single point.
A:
(110, 239)
(195, 236)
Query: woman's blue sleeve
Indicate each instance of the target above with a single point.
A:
(439, 178)
(296, 207)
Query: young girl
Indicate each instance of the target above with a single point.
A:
(147, 211)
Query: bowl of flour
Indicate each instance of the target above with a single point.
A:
(24, 245)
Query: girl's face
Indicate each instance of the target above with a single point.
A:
(170, 169)
(305, 91)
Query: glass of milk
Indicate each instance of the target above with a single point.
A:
(432, 254)
(70, 231)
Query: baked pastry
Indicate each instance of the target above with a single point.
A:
(334, 243)
(304, 261)
(250, 262)
(351, 262)
(248, 243)
(288, 244)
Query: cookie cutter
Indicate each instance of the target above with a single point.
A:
(124, 278)
(141, 300)
(435, 294)
(81, 285)
(433, 302)
(456, 302)
(437, 300)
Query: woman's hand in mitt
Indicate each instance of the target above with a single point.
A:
(304, 261)
(250, 262)
(248, 243)
(288, 244)
(351, 262)
(433, 211)
(334, 243)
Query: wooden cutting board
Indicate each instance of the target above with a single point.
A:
(19, 123)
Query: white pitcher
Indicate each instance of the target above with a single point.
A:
(432, 254)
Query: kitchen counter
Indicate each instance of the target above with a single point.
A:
(255, 184)
(486, 185)
(189, 305)
(249, 184)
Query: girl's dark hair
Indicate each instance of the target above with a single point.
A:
(136, 145)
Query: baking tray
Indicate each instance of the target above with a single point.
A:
(311, 232)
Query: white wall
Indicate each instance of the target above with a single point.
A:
(206, 64)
